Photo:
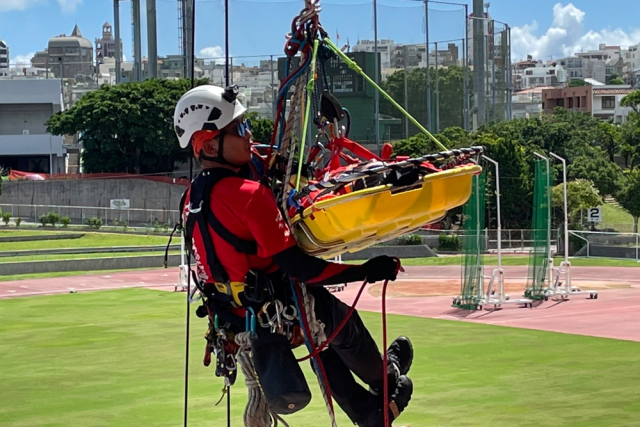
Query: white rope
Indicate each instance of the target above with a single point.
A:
(318, 336)
(256, 414)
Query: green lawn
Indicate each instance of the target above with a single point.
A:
(617, 218)
(88, 241)
(8, 277)
(116, 358)
(58, 257)
(10, 232)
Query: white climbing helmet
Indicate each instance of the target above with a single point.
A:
(205, 107)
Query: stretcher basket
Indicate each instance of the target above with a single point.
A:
(360, 219)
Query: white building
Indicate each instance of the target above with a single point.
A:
(527, 103)
(542, 75)
(595, 64)
(605, 102)
(386, 48)
(25, 106)
(4, 56)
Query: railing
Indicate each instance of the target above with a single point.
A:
(80, 214)
(605, 244)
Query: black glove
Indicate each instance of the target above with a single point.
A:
(380, 268)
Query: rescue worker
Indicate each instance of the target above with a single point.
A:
(247, 219)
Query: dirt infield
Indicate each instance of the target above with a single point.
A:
(427, 292)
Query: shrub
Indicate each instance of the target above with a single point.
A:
(449, 242)
(410, 239)
(6, 216)
(53, 218)
(65, 220)
(18, 221)
(94, 223)
(43, 219)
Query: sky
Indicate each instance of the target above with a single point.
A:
(546, 29)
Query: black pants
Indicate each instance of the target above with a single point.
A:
(353, 351)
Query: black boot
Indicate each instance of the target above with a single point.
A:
(400, 353)
(399, 359)
(398, 402)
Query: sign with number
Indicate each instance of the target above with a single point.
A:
(595, 214)
(120, 203)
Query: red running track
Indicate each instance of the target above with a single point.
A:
(613, 315)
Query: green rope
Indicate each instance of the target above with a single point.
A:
(310, 86)
(355, 67)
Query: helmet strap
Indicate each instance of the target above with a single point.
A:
(219, 158)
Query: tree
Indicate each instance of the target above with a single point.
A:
(632, 100)
(126, 127)
(577, 83)
(451, 96)
(630, 137)
(614, 79)
(609, 139)
(416, 146)
(581, 194)
(261, 129)
(597, 169)
(515, 180)
(628, 196)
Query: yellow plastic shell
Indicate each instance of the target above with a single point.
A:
(357, 220)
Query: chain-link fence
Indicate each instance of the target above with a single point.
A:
(411, 37)
(512, 241)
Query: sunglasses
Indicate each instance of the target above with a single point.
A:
(243, 127)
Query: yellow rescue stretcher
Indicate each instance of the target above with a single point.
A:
(357, 220)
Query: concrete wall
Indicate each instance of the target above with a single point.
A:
(609, 252)
(409, 251)
(143, 194)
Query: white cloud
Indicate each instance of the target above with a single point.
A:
(22, 60)
(213, 52)
(566, 36)
(69, 6)
(8, 5)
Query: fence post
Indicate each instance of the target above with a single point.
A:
(636, 247)
(521, 240)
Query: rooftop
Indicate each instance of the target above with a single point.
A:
(30, 91)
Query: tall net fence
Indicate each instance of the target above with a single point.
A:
(474, 245)
(541, 232)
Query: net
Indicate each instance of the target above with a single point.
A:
(472, 283)
(540, 233)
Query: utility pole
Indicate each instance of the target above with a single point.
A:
(479, 60)
(426, 30)
(375, 78)
(406, 97)
(152, 39)
(137, 40)
(116, 21)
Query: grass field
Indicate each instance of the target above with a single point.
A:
(57, 257)
(89, 240)
(7, 277)
(116, 358)
(617, 218)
